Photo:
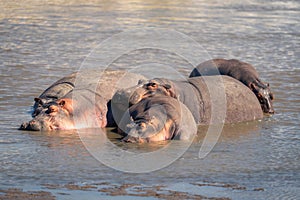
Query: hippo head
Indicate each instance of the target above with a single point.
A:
(152, 87)
(124, 98)
(62, 114)
(56, 115)
(264, 95)
(41, 104)
(152, 119)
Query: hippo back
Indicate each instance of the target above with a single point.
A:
(241, 103)
(237, 69)
(60, 88)
(96, 88)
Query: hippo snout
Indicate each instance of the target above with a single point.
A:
(131, 139)
(23, 126)
(269, 111)
(267, 107)
(32, 125)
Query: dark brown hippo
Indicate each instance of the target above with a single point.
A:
(158, 118)
(80, 100)
(241, 71)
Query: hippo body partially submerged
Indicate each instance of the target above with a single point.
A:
(240, 103)
(79, 100)
(242, 71)
(158, 118)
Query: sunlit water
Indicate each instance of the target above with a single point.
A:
(43, 40)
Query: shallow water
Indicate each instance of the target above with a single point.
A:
(42, 41)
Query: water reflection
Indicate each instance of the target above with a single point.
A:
(233, 132)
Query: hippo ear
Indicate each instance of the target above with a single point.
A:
(61, 102)
(253, 87)
(66, 104)
(170, 90)
(142, 81)
(39, 101)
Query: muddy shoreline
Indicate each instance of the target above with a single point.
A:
(105, 189)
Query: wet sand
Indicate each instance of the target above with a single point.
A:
(17, 194)
(105, 189)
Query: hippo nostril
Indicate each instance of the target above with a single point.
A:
(271, 111)
(33, 125)
(129, 139)
(23, 126)
(142, 126)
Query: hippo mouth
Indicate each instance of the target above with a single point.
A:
(29, 126)
(139, 131)
(267, 111)
(44, 125)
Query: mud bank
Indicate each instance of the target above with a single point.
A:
(199, 190)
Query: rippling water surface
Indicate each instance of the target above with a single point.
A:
(40, 41)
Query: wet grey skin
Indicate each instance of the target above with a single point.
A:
(56, 107)
(157, 118)
(45, 122)
(264, 96)
(244, 72)
(54, 116)
(125, 98)
(241, 104)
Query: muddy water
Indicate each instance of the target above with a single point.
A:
(42, 41)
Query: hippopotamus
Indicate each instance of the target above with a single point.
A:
(241, 103)
(79, 100)
(242, 71)
(157, 118)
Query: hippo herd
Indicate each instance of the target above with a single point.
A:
(217, 91)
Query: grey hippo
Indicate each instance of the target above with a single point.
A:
(241, 71)
(240, 105)
(83, 95)
(157, 118)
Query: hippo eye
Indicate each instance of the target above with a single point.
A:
(39, 101)
(151, 85)
(52, 109)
